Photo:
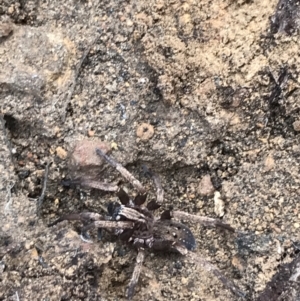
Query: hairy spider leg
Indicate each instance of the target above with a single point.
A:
(89, 183)
(183, 215)
(97, 222)
(99, 185)
(136, 274)
(84, 217)
(207, 221)
(109, 225)
(159, 189)
(123, 171)
(157, 183)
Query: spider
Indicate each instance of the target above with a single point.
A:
(134, 223)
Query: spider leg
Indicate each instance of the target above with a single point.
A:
(157, 183)
(109, 225)
(97, 222)
(136, 274)
(99, 185)
(213, 269)
(123, 171)
(159, 189)
(207, 221)
(89, 183)
(84, 216)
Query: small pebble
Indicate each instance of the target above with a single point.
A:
(11, 9)
(296, 225)
(184, 280)
(34, 254)
(145, 131)
(5, 29)
(269, 163)
(184, 19)
(114, 145)
(28, 245)
(296, 126)
(21, 163)
(129, 23)
(238, 263)
(91, 133)
(56, 129)
(2, 267)
(61, 153)
(219, 204)
(205, 186)
(200, 204)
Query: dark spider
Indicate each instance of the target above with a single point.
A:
(135, 224)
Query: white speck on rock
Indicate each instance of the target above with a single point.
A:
(219, 204)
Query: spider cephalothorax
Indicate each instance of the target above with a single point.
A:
(150, 232)
(134, 222)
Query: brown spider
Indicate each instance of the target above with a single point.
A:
(134, 223)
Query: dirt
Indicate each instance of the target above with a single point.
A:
(192, 89)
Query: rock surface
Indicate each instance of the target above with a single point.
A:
(216, 81)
